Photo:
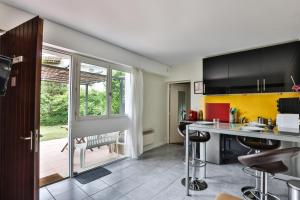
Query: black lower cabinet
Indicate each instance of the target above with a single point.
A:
(231, 149)
(223, 149)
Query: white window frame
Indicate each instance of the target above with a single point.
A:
(123, 69)
(109, 66)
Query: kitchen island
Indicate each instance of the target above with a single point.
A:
(290, 137)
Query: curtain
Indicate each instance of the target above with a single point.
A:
(135, 134)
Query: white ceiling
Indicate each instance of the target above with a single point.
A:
(176, 31)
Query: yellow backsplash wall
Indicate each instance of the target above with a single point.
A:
(251, 105)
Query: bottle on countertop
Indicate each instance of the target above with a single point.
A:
(270, 122)
(243, 120)
(233, 115)
(200, 117)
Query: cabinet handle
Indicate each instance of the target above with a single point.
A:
(257, 85)
(264, 84)
(203, 88)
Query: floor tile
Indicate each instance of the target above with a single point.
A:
(141, 193)
(125, 186)
(45, 194)
(61, 187)
(114, 177)
(74, 194)
(94, 187)
(107, 194)
(125, 198)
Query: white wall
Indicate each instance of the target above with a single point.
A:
(154, 115)
(62, 36)
(188, 72)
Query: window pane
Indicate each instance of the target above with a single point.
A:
(119, 88)
(93, 84)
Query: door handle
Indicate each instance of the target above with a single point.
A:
(264, 84)
(25, 138)
(36, 140)
(28, 138)
(257, 85)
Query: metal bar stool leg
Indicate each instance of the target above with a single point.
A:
(194, 147)
(257, 175)
(264, 186)
(204, 158)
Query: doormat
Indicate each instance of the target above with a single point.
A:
(50, 179)
(92, 175)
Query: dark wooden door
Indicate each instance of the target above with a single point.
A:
(245, 72)
(215, 75)
(19, 113)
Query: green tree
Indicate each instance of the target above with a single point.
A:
(54, 100)
(96, 102)
(118, 91)
(54, 103)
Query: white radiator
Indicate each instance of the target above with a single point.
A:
(148, 137)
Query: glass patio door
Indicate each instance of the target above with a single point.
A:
(54, 109)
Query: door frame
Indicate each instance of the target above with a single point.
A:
(70, 105)
(168, 103)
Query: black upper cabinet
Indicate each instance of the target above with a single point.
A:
(244, 72)
(278, 64)
(266, 69)
(215, 75)
(296, 65)
(293, 69)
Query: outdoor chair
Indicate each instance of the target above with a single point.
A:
(96, 141)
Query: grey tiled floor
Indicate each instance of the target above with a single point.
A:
(157, 176)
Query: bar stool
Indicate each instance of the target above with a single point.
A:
(181, 129)
(196, 138)
(255, 145)
(268, 162)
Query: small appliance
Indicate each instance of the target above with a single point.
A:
(287, 121)
(192, 116)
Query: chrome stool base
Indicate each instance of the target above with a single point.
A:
(255, 194)
(196, 185)
(247, 194)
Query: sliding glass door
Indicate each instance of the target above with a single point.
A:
(54, 109)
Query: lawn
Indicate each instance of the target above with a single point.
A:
(53, 132)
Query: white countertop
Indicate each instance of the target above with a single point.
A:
(235, 129)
